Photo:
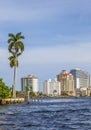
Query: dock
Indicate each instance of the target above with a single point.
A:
(12, 100)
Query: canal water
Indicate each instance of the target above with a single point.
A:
(47, 114)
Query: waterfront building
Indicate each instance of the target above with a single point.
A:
(66, 82)
(81, 79)
(51, 87)
(30, 81)
(89, 91)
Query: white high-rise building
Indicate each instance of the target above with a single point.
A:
(51, 87)
(30, 81)
(81, 78)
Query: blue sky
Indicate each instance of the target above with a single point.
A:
(57, 36)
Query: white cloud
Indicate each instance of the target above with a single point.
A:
(57, 54)
(67, 53)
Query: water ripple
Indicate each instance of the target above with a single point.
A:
(49, 114)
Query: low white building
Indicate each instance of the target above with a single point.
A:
(51, 87)
(30, 81)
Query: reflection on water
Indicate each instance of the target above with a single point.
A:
(47, 114)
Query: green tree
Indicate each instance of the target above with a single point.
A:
(27, 88)
(4, 90)
(16, 48)
(32, 94)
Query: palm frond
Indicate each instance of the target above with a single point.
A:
(11, 47)
(21, 45)
(11, 35)
(19, 36)
(19, 54)
(10, 40)
(22, 37)
(13, 61)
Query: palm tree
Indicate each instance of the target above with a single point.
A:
(16, 48)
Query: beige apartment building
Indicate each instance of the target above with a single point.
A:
(66, 83)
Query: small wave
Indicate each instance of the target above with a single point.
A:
(9, 113)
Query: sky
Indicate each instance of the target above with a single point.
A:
(57, 37)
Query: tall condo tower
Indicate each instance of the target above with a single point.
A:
(67, 82)
(81, 78)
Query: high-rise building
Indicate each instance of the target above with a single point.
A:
(67, 82)
(51, 87)
(81, 78)
(30, 81)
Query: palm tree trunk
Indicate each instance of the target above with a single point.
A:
(14, 84)
(27, 96)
